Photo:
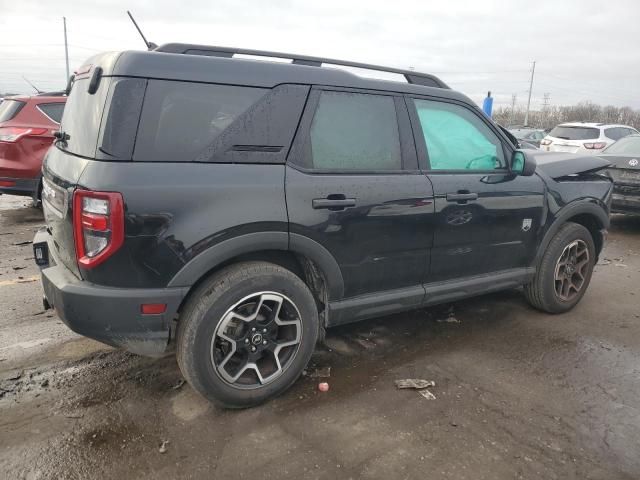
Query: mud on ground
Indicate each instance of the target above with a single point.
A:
(519, 394)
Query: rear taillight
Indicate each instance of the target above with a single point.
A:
(98, 225)
(595, 146)
(545, 142)
(13, 134)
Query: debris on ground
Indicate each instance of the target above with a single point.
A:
(323, 386)
(19, 244)
(18, 268)
(15, 375)
(178, 385)
(604, 261)
(621, 265)
(418, 384)
(450, 318)
(163, 447)
(323, 372)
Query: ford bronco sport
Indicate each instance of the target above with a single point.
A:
(235, 208)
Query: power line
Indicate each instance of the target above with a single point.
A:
(526, 116)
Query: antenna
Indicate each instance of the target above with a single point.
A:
(32, 85)
(150, 45)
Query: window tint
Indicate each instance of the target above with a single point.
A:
(615, 133)
(355, 131)
(626, 146)
(9, 109)
(82, 116)
(575, 133)
(52, 110)
(457, 139)
(180, 119)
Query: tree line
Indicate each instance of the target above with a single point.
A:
(551, 116)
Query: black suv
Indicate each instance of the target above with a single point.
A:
(237, 207)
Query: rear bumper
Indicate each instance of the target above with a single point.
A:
(27, 187)
(109, 315)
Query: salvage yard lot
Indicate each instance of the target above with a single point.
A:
(519, 394)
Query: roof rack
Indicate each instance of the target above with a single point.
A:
(416, 78)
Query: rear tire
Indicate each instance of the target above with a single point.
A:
(254, 320)
(565, 270)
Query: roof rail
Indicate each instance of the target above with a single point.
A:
(60, 93)
(417, 78)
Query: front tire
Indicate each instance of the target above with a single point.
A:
(565, 270)
(246, 334)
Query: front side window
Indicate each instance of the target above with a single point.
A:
(457, 139)
(355, 131)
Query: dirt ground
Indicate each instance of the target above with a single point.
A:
(519, 394)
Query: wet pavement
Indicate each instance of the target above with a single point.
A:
(519, 394)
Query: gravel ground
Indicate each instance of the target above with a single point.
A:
(518, 394)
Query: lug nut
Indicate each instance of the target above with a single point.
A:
(246, 340)
(253, 329)
(264, 330)
(253, 349)
(264, 342)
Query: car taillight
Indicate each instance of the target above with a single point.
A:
(545, 142)
(98, 225)
(13, 134)
(595, 146)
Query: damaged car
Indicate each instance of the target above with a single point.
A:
(624, 156)
(234, 209)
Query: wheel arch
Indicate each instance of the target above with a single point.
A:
(301, 255)
(591, 214)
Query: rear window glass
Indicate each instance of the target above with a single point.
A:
(82, 116)
(52, 110)
(181, 119)
(575, 133)
(9, 109)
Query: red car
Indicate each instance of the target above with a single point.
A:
(27, 125)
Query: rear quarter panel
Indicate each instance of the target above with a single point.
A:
(174, 212)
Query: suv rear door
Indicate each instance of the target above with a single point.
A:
(354, 187)
(486, 218)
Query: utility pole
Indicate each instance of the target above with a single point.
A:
(513, 108)
(66, 48)
(526, 115)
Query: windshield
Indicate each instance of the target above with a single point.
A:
(625, 146)
(9, 109)
(575, 133)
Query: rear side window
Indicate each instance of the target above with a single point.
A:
(52, 110)
(616, 133)
(180, 119)
(457, 139)
(354, 131)
(9, 109)
(626, 146)
(575, 133)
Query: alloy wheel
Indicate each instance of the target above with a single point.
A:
(571, 270)
(256, 340)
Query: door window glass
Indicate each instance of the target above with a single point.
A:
(457, 139)
(354, 131)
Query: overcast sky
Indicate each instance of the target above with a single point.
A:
(585, 50)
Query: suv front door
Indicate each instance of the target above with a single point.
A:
(487, 219)
(353, 186)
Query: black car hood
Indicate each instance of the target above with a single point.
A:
(558, 165)
(631, 162)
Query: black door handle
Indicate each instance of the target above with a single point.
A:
(461, 197)
(333, 202)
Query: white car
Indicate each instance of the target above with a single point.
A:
(585, 138)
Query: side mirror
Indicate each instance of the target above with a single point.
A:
(523, 164)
